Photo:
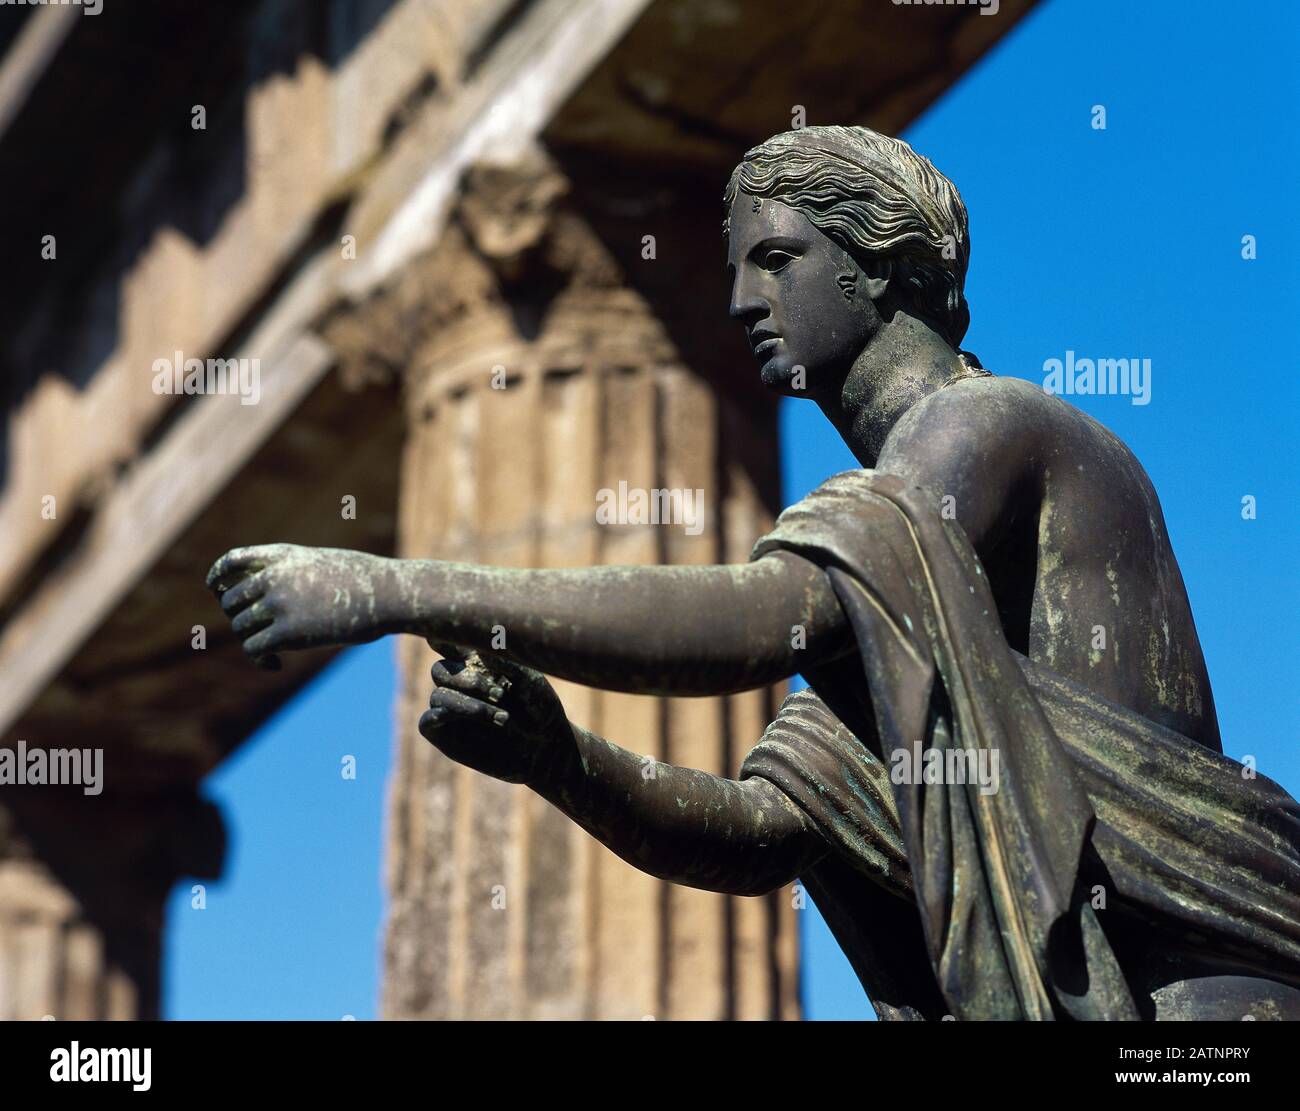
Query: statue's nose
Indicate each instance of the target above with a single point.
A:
(746, 305)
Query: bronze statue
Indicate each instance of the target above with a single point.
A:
(996, 586)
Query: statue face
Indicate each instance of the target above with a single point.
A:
(803, 300)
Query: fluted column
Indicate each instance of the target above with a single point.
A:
(520, 407)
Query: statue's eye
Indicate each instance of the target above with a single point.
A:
(776, 259)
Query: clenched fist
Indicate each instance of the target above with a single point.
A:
(284, 596)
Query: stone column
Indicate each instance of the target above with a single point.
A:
(543, 378)
(52, 959)
(82, 911)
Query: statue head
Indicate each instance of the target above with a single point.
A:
(830, 232)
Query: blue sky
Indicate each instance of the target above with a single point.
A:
(1123, 242)
(292, 930)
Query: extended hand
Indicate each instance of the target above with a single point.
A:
(494, 715)
(284, 596)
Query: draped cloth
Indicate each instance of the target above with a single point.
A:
(950, 897)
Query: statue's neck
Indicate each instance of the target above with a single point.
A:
(905, 361)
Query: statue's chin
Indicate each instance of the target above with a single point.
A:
(778, 375)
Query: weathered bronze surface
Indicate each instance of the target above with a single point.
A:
(943, 604)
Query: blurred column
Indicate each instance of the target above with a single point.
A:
(52, 960)
(543, 379)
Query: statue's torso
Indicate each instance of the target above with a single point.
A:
(1081, 564)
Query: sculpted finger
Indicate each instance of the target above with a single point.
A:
(470, 680)
(256, 617)
(243, 594)
(445, 667)
(268, 642)
(227, 569)
(258, 650)
(431, 721)
(454, 704)
(217, 572)
(507, 671)
(233, 566)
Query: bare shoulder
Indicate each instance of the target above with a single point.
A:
(1001, 445)
(1006, 426)
(992, 426)
(982, 410)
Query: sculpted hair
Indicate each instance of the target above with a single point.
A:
(875, 197)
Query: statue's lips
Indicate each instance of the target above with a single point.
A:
(766, 346)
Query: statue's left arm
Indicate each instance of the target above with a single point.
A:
(739, 837)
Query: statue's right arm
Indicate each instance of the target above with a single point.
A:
(683, 630)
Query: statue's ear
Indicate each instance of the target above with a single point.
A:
(876, 277)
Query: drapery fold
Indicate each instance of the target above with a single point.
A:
(1089, 796)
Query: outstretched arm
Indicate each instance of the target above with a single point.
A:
(686, 630)
(739, 837)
